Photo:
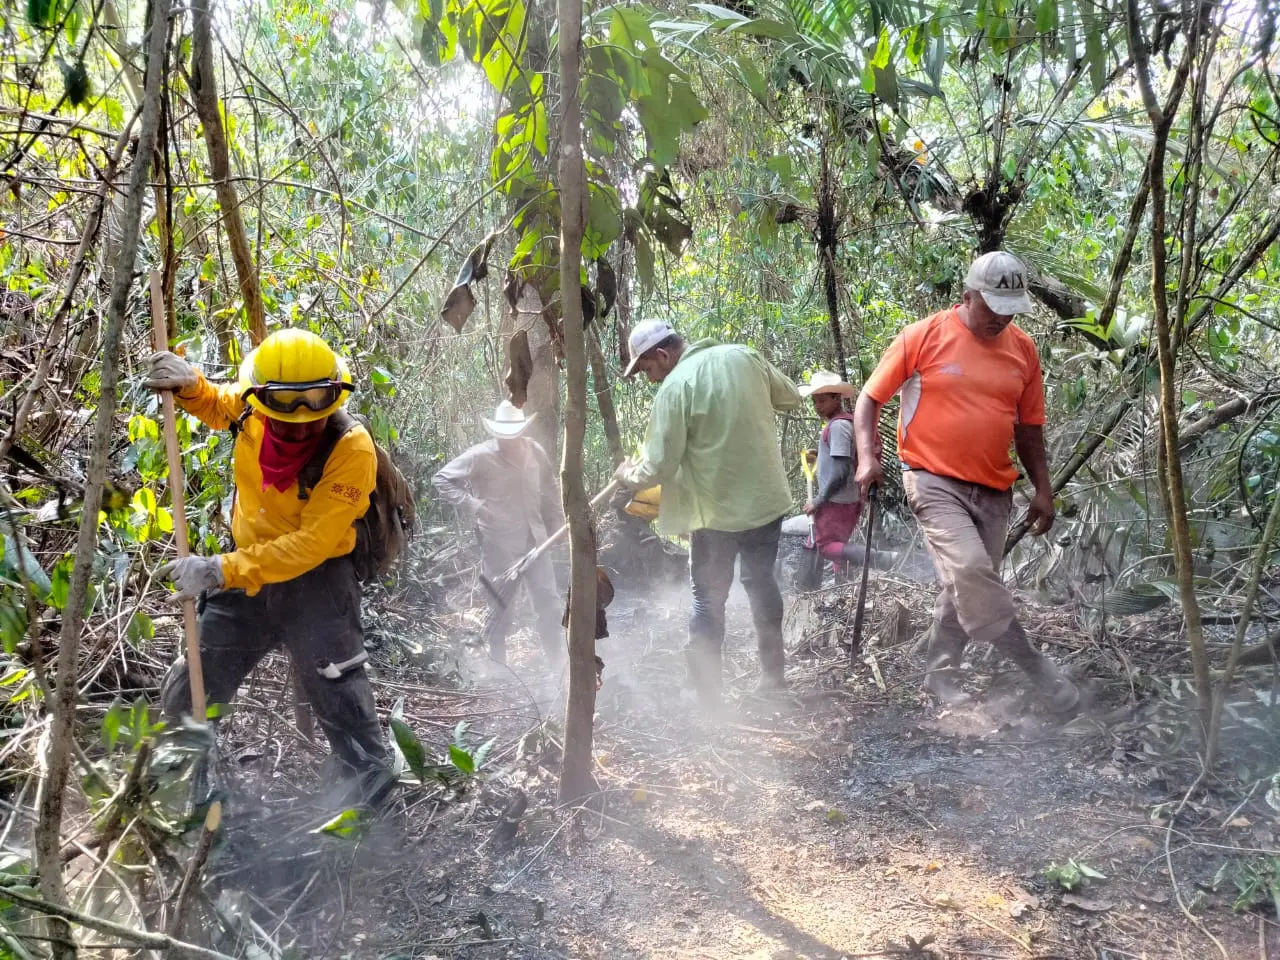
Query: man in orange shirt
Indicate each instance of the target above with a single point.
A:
(971, 388)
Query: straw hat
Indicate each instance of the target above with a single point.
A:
(508, 421)
(823, 381)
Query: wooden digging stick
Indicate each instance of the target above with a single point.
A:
(190, 627)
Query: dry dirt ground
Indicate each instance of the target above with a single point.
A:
(854, 819)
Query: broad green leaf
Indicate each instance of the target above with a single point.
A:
(686, 110)
(754, 80)
(881, 57)
(21, 564)
(644, 261)
(141, 629)
(630, 29)
(411, 747)
(40, 12)
(916, 38)
(112, 722)
(13, 621)
(344, 825)
(886, 81)
(461, 759)
(72, 23)
(1047, 16)
(868, 78)
(604, 225)
(1096, 57)
(61, 582)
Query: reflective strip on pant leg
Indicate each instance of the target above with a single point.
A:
(346, 712)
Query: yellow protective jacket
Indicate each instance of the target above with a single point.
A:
(279, 536)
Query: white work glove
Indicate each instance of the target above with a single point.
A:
(193, 575)
(170, 372)
(623, 474)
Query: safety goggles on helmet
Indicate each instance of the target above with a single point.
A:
(317, 395)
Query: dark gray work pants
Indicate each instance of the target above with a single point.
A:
(711, 557)
(316, 617)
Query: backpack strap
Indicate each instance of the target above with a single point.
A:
(842, 415)
(236, 425)
(340, 423)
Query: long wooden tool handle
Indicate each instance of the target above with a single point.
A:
(859, 614)
(190, 626)
(552, 540)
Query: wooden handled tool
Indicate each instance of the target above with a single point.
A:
(502, 586)
(190, 626)
(859, 614)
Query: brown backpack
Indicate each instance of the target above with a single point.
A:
(383, 533)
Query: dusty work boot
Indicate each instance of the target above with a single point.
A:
(942, 670)
(772, 683)
(1061, 695)
(704, 674)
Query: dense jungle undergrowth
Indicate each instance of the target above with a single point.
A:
(806, 177)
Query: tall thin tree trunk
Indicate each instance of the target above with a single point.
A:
(604, 400)
(576, 780)
(204, 87)
(828, 243)
(58, 746)
(1162, 118)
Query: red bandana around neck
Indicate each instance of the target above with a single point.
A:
(282, 460)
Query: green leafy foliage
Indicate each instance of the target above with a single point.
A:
(347, 825)
(414, 753)
(1071, 874)
(1256, 881)
(75, 83)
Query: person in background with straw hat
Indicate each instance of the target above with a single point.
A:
(290, 579)
(712, 444)
(507, 486)
(837, 504)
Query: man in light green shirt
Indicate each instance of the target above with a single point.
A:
(712, 444)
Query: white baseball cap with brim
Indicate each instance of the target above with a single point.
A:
(824, 381)
(508, 421)
(1002, 280)
(646, 335)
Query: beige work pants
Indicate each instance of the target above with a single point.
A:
(965, 525)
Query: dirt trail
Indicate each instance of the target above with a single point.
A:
(842, 822)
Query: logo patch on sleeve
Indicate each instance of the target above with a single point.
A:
(347, 492)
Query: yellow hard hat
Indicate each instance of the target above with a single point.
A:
(294, 376)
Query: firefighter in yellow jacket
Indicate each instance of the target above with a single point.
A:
(290, 579)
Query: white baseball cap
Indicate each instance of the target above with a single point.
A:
(646, 335)
(1002, 280)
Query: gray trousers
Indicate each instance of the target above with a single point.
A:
(539, 585)
(711, 558)
(316, 617)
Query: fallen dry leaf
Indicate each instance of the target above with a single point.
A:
(1086, 904)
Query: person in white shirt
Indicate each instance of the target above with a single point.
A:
(507, 486)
